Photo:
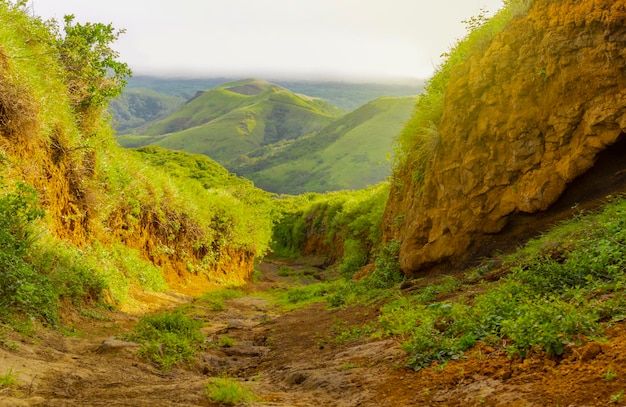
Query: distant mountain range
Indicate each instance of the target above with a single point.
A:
(283, 141)
(236, 118)
(141, 102)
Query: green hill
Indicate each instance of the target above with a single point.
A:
(350, 153)
(235, 119)
(137, 107)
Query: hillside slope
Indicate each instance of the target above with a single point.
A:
(137, 107)
(350, 153)
(522, 116)
(236, 118)
(82, 220)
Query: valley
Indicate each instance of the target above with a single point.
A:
(284, 142)
(252, 244)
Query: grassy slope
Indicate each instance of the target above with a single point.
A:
(136, 107)
(348, 154)
(83, 220)
(237, 118)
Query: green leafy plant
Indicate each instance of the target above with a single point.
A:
(9, 379)
(22, 288)
(93, 73)
(226, 341)
(609, 375)
(228, 391)
(387, 267)
(617, 398)
(168, 338)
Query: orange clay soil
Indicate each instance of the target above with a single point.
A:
(294, 359)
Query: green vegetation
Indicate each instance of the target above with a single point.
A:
(167, 338)
(617, 398)
(350, 153)
(353, 218)
(8, 379)
(22, 289)
(228, 391)
(236, 118)
(558, 289)
(81, 219)
(215, 299)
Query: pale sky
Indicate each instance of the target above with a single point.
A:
(279, 39)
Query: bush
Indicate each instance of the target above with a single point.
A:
(387, 267)
(22, 288)
(168, 338)
(228, 391)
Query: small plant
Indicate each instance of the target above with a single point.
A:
(168, 338)
(228, 391)
(609, 375)
(617, 398)
(226, 341)
(8, 379)
(387, 267)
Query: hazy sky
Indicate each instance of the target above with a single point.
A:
(343, 39)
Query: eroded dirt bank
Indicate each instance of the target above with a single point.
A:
(295, 358)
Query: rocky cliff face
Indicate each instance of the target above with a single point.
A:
(522, 120)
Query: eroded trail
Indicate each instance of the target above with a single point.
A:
(286, 359)
(296, 358)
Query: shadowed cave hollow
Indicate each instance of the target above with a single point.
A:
(588, 191)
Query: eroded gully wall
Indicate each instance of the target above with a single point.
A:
(522, 119)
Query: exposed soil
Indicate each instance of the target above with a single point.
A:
(295, 359)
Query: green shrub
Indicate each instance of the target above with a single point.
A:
(22, 288)
(168, 338)
(387, 267)
(354, 258)
(228, 391)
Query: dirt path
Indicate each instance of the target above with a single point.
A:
(295, 359)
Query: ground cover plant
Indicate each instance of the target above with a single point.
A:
(228, 391)
(167, 338)
(558, 290)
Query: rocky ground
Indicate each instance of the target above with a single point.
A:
(295, 359)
